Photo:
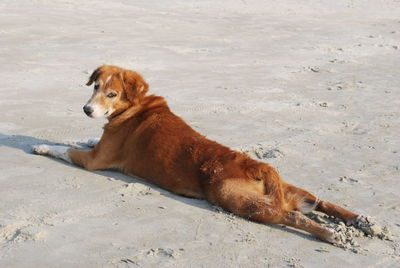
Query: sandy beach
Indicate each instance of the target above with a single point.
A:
(310, 87)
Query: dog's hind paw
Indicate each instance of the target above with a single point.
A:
(371, 227)
(335, 238)
(42, 149)
(92, 142)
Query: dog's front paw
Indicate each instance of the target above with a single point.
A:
(42, 149)
(92, 142)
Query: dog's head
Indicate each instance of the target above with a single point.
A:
(115, 90)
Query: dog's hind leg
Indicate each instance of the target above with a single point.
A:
(298, 220)
(247, 202)
(306, 202)
(337, 211)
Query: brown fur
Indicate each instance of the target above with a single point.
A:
(143, 137)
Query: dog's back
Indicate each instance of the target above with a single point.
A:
(160, 147)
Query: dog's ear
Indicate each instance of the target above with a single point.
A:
(95, 75)
(134, 85)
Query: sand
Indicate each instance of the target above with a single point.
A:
(312, 88)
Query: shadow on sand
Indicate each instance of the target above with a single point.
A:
(25, 144)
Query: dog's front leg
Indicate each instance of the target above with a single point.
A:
(87, 159)
(55, 151)
(92, 160)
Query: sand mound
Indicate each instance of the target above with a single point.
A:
(362, 226)
(261, 151)
(21, 231)
(371, 228)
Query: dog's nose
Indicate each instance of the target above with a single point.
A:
(88, 110)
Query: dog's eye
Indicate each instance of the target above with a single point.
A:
(111, 95)
(96, 87)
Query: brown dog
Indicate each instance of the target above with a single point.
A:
(144, 138)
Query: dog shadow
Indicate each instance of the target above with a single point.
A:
(25, 144)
